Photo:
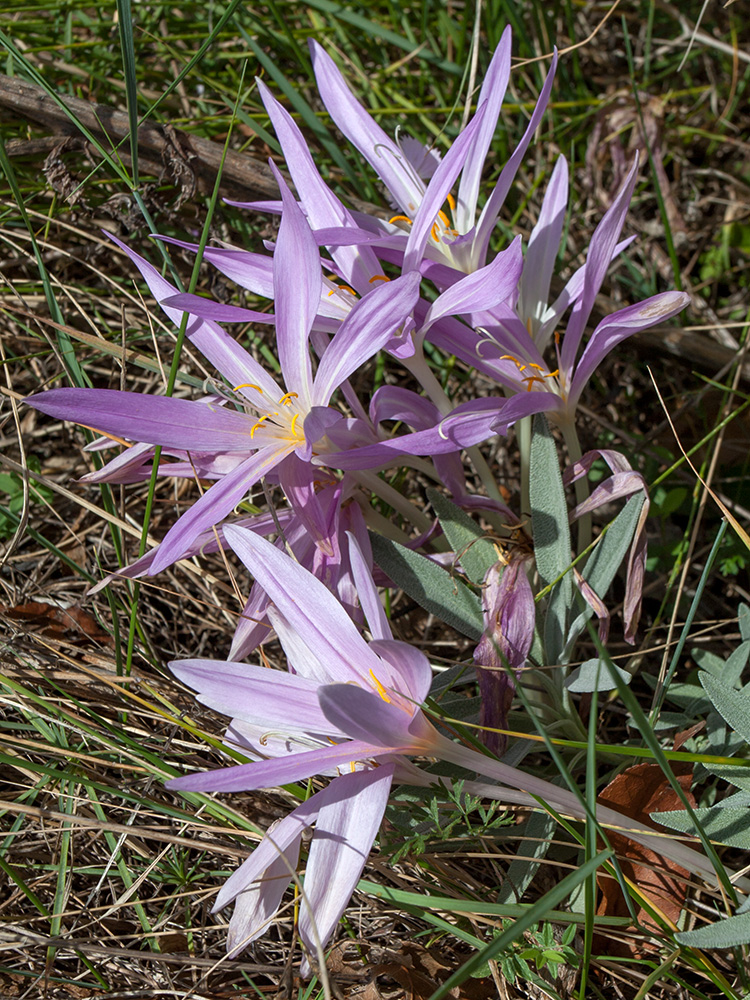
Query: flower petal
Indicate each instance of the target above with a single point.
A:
(347, 824)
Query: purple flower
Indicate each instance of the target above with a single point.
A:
(346, 709)
(457, 239)
(277, 422)
(510, 618)
(503, 347)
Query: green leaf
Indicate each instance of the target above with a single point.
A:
(536, 843)
(727, 826)
(473, 548)
(727, 933)
(430, 586)
(595, 675)
(732, 705)
(744, 616)
(551, 534)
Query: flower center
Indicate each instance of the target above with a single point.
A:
(282, 419)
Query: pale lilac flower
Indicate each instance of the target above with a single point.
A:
(458, 239)
(349, 708)
(503, 348)
(278, 421)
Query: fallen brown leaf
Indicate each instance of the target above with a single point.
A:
(637, 792)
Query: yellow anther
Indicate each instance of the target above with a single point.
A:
(380, 689)
(553, 374)
(248, 385)
(451, 201)
(557, 338)
(399, 218)
(538, 367)
(444, 219)
(346, 288)
(295, 418)
(332, 291)
(285, 399)
(378, 277)
(434, 232)
(255, 426)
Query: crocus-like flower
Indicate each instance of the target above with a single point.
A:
(510, 617)
(349, 708)
(278, 421)
(458, 240)
(504, 349)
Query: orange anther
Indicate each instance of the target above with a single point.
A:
(248, 385)
(451, 201)
(255, 426)
(285, 399)
(378, 277)
(400, 218)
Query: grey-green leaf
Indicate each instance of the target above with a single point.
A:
(430, 586)
(473, 549)
(595, 675)
(551, 534)
(727, 933)
(726, 826)
(731, 704)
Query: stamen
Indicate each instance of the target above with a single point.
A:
(444, 219)
(434, 232)
(451, 201)
(346, 288)
(400, 218)
(285, 399)
(380, 689)
(378, 277)
(553, 374)
(255, 426)
(295, 418)
(248, 385)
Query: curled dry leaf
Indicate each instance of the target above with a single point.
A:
(638, 792)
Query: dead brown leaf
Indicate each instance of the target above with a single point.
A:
(637, 792)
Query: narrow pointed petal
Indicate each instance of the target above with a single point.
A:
(252, 271)
(319, 619)
(175, 423)
(278, 838)
(482, 289)
(618, 327)
(347, 825)
(598, 258)
(496, 200)
(224, 353)
(258, 902)
(438, 190)
(274, 698)
(215, 504)
(322, 207)
(274, 773)
(374, 612)
(544, 245)
(469, 424)
(369, 326)
(196, 305)
(383, 155)
(494, 85)
(297, 283)
(526, 404)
